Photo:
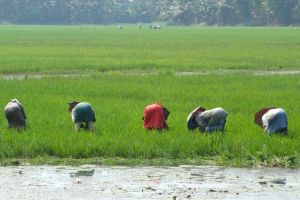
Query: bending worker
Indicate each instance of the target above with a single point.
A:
(207, 120)
(273, 120)
(15, 115)
(83, 115)
(155, 117)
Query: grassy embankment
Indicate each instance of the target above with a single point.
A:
(119, 100)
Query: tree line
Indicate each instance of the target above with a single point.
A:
(175, 12)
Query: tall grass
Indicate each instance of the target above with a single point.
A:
(119, 101)
(48, 48)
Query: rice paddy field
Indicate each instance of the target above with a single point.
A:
(121, 71)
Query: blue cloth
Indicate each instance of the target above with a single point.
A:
(276, 123)
(212, 128)
(212, 120)
(15, 118)
(83, 112)
(191, 124)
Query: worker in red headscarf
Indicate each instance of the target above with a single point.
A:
(155, 116)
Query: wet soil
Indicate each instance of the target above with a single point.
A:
(184, 182)
(71, 74)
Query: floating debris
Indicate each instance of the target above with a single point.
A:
(279, 181)
(77, 181)
(150, 188)
(263, 183)
(83, 173)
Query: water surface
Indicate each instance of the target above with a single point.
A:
(184, 182)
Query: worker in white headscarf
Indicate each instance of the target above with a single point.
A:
(275, 121)
(15, 114)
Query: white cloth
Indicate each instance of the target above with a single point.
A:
(274, 120)
(212, 118)
(14, 103)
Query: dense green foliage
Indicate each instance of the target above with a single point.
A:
(119, 101)
(221, 12)
(49, 48)
(120, 95)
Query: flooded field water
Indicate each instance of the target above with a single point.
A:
(185, 182)
(20, 76)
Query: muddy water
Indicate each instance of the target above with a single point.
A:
(145, 73)
(185, 182)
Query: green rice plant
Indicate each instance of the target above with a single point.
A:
(119, 101)
(48, 49)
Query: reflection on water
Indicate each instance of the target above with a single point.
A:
(83, 173)
(185, 182)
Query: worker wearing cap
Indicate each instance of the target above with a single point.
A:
(207, 120)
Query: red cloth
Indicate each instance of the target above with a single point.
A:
(259, 114)
(154, 116)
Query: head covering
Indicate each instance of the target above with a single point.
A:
(191, 123)
(15, 101)
(258, 115)
(72, 105)
(166, 113)
(275, 121)
(154, 117)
